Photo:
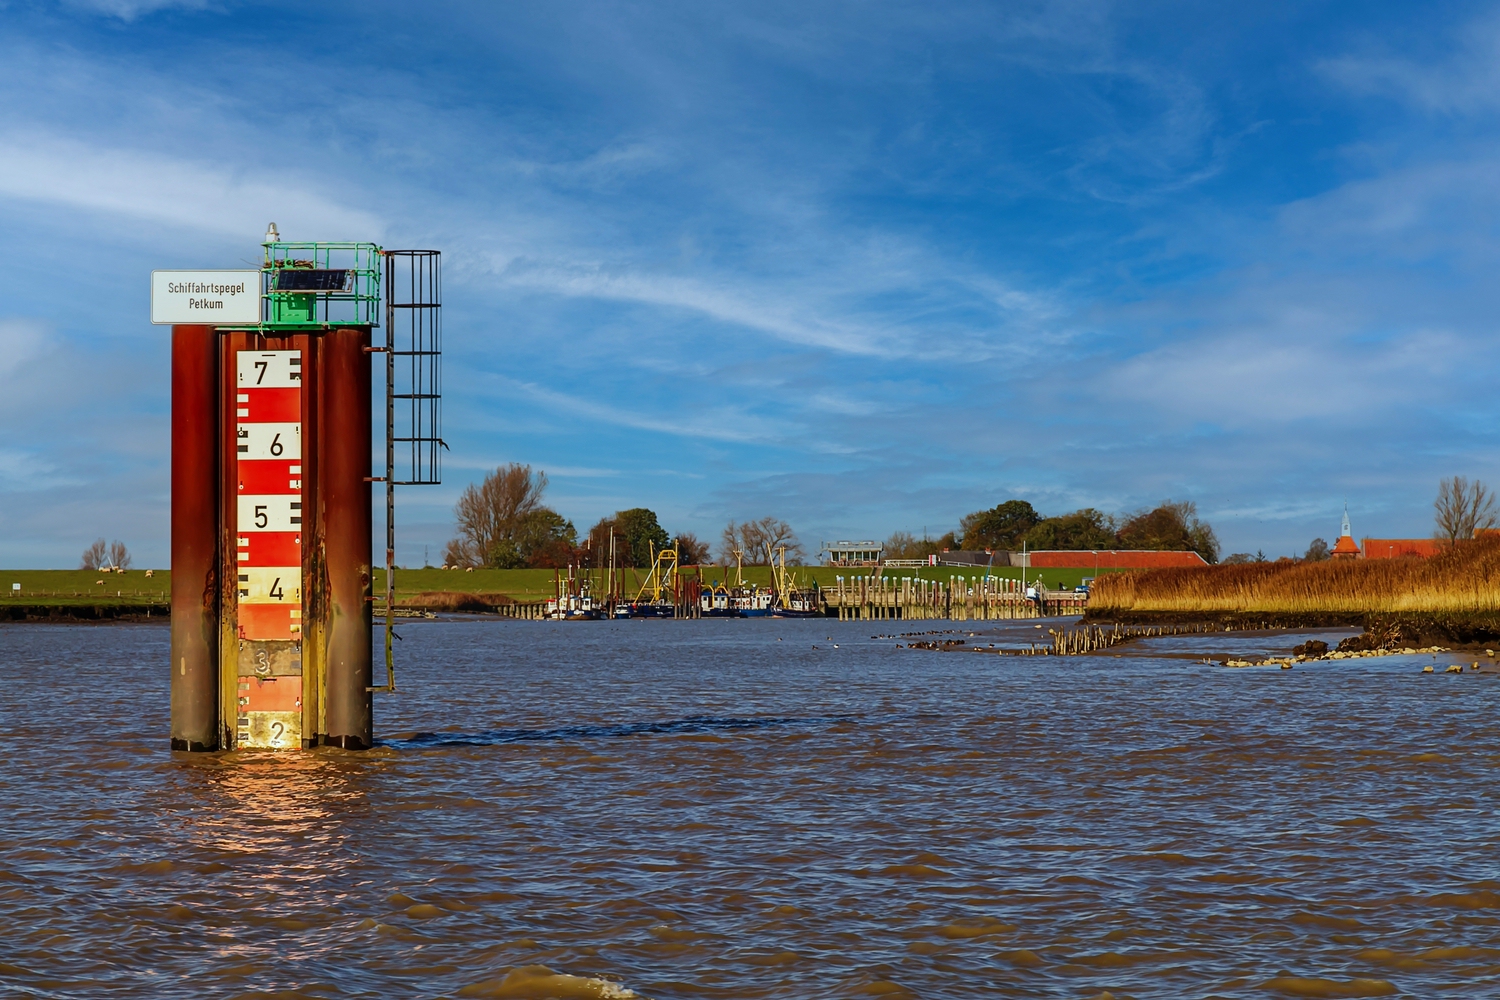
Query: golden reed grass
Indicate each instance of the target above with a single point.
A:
(1463, 579)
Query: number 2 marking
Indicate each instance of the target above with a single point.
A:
(278, 729)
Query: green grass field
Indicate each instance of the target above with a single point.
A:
(83, 587)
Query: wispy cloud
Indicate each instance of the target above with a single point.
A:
(130, 10)
(1463, 79)
(204, 196)
(720, 424)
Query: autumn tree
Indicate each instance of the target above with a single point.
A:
(637, 533)
(1081, 530)
(502, 523)
(690, 551)
(1462, 508)
(1316, 552)
(758, 541)
(1001, 527)
(119, 555)
(1170, 527)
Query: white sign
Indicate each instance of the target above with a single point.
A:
(216, 298)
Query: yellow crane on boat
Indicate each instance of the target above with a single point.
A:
(662, 578)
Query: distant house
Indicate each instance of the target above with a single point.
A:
(1397, 548)
(865, 553)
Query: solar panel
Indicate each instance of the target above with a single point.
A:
(312, 280)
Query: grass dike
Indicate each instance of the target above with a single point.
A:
(1451, 599)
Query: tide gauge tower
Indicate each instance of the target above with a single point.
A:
(272, 482)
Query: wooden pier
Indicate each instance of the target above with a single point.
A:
(958, 599)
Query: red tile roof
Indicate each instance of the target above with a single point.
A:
(1112, 559)
(1395, 548)
(1346, 546)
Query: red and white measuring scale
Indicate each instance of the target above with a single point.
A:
(268, 564)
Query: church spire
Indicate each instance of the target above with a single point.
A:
(1347, 547)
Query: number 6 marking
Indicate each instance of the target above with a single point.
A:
(276, 446)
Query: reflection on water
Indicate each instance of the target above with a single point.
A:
(740, 809)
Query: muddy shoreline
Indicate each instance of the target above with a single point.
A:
(1382, 630)
(83, 613)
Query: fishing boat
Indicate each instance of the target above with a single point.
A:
(714, 602)
(752, 602)
(572, 600)
(791, 601)
(656, 598)
(652, 609)
(799, 604)
(573, 608)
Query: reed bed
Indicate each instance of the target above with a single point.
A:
(1463, 579)
(448, 600)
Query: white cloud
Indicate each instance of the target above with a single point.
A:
(41, 166)
(723, 424)
(1466, 81)
(20, 343)
(129, 10)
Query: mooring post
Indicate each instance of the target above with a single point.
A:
(195, 539)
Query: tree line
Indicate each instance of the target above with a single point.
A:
(503, 523)
(1015, 524)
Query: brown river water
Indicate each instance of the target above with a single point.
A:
(728, 809)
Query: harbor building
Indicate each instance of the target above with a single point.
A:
(846, 553)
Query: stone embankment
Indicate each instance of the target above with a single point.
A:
(1287, 662)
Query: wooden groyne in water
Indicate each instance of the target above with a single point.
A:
(958, 599)
(1070, 642)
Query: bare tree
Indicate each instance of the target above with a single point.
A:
(1463, 507)
(690, 551)
(119, 555)
(95, 556)
(759, 540)
(490, 512)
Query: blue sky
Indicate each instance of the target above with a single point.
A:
(865, 267)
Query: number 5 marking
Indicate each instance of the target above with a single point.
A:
(261, 520)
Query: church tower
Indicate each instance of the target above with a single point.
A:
(1346, 548)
